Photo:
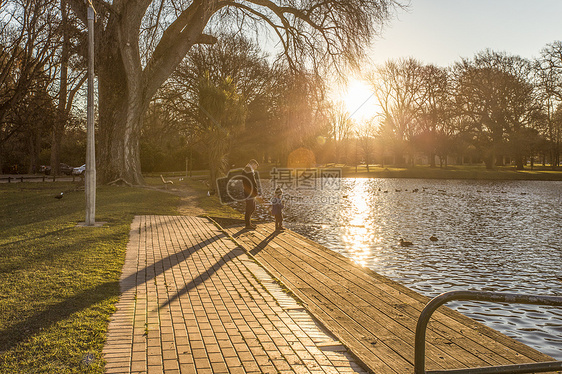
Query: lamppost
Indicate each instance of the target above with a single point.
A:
(90, 180)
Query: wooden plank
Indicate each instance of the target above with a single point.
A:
(453, 318)
(387, 330)
(364, 307)
(328, 314)
(413, 309)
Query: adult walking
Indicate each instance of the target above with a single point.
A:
(250, 191)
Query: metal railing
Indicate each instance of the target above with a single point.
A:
(419, 347)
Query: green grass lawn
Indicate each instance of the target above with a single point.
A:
(476, 171)
(198, 186)
(59, 282)
(453, 172)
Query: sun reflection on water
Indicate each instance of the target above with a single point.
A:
(358, 232)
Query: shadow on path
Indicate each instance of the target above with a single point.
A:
(167, 263)
(261, 245)
(30, 326)
(235, 252)
(255, 249)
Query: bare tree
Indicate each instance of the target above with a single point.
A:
(548, 68)
(297, 110)
(398, 89)
(34, 116)
(434, 128)
(495, 95)
(366, 135)
(221, 114)
(28, 41)
(550, 62)
(69, 75)
(238, 68)
(341, 129)
(140, 43)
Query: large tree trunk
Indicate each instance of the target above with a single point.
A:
(519, 161)
(489, 160)
(120, 123)
(125, 89)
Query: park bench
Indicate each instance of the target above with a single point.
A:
(166, 182)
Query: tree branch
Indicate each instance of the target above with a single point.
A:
(75, 89)
(276, 28)
(206, 39)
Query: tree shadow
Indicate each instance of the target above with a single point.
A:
(235, 252)
(41, 236)
(21, 331)
(166, 263)
(32, 325)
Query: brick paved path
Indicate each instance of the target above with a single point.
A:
(194, 302)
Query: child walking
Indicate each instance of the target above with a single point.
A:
(277, 209)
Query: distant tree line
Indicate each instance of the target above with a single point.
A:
(491, 108)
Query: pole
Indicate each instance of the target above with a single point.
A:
(90, 178)
(190, 162)
(356, 155)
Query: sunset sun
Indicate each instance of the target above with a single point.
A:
(359, 100)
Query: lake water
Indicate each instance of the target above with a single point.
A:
(500, 236)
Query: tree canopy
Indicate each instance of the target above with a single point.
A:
(140, 43)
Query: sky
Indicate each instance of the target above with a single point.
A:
(442, 32)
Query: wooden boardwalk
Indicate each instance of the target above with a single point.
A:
(372, 315)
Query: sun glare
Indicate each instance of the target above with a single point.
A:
(357, 236)
(359, 100)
